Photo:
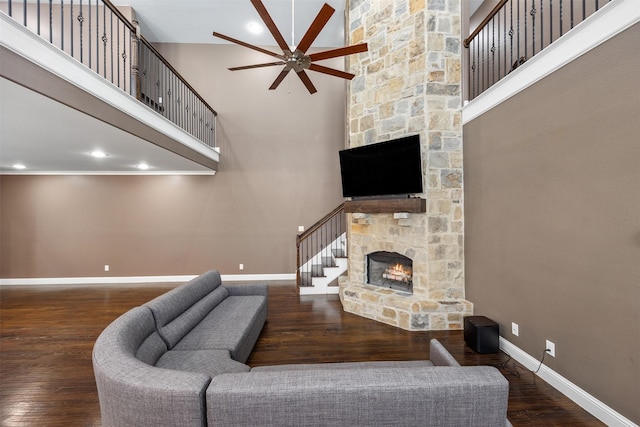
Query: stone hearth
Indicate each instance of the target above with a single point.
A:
(408, 83)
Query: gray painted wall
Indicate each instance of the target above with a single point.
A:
(279, 169)
(552, 199)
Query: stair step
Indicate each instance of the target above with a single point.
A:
(328, 261)
(338, 253)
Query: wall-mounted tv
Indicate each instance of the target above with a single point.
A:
(390, 168)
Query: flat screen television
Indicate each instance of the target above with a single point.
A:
(390, 168)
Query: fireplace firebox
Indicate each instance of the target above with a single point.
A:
(390, 270)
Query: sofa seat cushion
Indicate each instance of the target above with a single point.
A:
(345, 365)
(210, 362)
(233, 325)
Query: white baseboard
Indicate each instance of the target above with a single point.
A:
(138, 279)
(589, 403)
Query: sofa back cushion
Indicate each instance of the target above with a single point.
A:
(179, 310)
(132, 334)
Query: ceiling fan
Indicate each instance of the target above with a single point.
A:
(298, 60)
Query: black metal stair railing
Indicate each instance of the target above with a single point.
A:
(99, 36)
(515, 31)
(319, 244)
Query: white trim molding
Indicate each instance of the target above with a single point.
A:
(589, 403)
(611, 20)
(50, 281)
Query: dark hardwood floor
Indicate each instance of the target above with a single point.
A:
(47, 334)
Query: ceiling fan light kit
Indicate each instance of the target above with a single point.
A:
(298, 60)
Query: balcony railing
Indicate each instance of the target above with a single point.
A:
(99, 36)
(515, 31)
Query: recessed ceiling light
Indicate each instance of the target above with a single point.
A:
(255, 27)
(143, 166)
(19, 166)
(98, 154)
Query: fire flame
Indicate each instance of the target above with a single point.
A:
(399, 268)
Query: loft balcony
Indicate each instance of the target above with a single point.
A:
(78, 76)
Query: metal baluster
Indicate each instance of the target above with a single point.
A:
(38, 17)
(511, 32)
(477, 66)
(89, 33)
(118, 49)
(518, 31)
(97, 37)
(525, 29)
(51, 22)
(571, 4)
(584, 10)
(81, 20)
(493, 51)
(10, 8)
(550, 21)
(533, 27)
(62, 25)
(104, 41)
(504, 19)
(71, 26)
(24, 12)
(560, 13)
(541, 26)
(111, 45)
(125, 72)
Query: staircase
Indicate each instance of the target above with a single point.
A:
(322, 255)
(320, 274)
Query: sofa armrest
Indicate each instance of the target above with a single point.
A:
(465, 396)
(439, 356)
(244, 289)
(133, 393)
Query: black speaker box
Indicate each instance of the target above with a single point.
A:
(481, 334)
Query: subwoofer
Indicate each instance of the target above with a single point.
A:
(481, 334)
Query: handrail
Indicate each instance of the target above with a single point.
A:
(321, 237)
(320, 223)
(484, 22)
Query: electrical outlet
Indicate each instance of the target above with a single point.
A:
(106, 267)
(514, 328)
(300, 228)
(241, 266)
(550, 348)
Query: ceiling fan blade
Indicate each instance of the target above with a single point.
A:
(307, 82)
(248, 67)
(341, 51)
(331, 71)
(279, 79)
(250, 46)
(316, 26)
(262, 11)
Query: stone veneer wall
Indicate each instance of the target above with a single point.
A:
(409, 82)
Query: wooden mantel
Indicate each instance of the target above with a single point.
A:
(411, 205)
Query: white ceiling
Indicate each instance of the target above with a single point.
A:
(193, 21)
(62, 138)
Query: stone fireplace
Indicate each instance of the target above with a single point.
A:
(409, 83)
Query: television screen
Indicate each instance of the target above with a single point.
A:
(383, 169)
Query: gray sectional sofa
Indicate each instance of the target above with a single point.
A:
(178, 360)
